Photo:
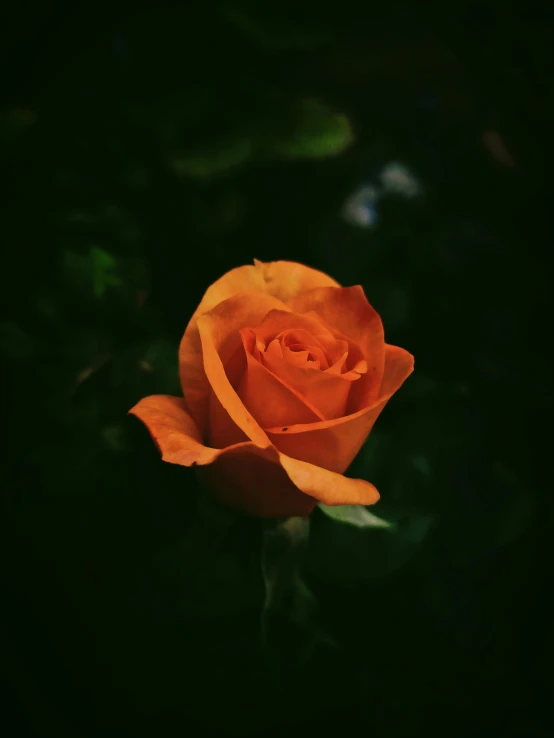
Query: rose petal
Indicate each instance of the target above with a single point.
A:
(253, 480)
(219, 331)
(244, 475)
(327, 346)
(286, 279)
(267, 484)
(300, 357)
(222, 430)
(324, 391)
(259, 481)
(282, 321)
(347, 310)
(337, 350)
(399, 364)
(281, 280)
(298, 344)
(333, 444)
(328, 393)
(338, 365)
(173, 430)
(328, 487)
(268, 397)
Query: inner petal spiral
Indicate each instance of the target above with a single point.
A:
(315, 365)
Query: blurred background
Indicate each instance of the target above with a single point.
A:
(144, 153)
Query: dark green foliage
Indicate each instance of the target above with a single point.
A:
(165, 149)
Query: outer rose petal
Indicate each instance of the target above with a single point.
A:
(251, 479)
(173, 430)
(220, 338)
(347, 310)
(279, 279)
(267, 484)
(333, 444)
(328, 487)
(399, 364)
(259, 481)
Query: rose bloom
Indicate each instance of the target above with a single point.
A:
(283, 372)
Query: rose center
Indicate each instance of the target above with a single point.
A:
(310, 355)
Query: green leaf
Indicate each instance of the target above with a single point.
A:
(161, 358)
(145, 368)
(421, 463)
(213, 161)
(351, 544)
(93, 272)
(114, 436)
(356, 515)
(315, 132)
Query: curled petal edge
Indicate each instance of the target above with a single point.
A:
(401, 364)
(178, 440)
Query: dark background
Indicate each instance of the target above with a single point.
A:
(144, 153)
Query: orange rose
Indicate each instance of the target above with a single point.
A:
(284, 372)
